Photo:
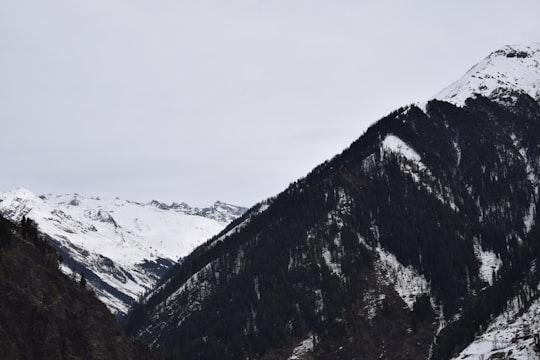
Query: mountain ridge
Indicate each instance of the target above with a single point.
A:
(444, 194)
(121, 247)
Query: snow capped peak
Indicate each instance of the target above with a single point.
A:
(121, 246)
(220, 211)
(505, 72)
(20, 193)
(160, 205)
(20, 202)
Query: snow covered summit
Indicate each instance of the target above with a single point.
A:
(509, 70)
(122, 247)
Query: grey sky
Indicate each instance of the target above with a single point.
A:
(199, 100)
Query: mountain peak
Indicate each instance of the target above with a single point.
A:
(219, 211)
(121, 246)
(15, 204)
(509, 70)
(21, 193)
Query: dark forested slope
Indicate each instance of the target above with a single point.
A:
(46, 315)
(404, 246)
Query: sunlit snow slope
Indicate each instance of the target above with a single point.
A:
(121, 247)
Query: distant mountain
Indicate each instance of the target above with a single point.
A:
(44, 315)
(220, 211)
(407, 245)
(121, 247)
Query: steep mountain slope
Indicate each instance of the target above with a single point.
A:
(45, 315)
(404, 246)
(121, 247)
(513, 334)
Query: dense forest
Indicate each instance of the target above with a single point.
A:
(307, 263)
(46, 315)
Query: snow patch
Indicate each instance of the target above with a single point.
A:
(509, 335)
(489, 263)
(195, 281)
(407, 282)
(422, 105)
(256, 288)
(415, 168)
(333, 266)
(458, 152)
(319, 302)
(528, 220)
(369, 163)
(303, 348)
(373, 301)
(398, 146)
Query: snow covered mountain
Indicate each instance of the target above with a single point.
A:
(220, 211)
(121, 247)
(421, 240)
(505, 72)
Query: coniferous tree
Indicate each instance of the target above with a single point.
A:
(5, 235)
(82, 282)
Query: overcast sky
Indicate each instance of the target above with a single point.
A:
(200, 100)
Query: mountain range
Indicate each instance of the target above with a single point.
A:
(121, 247)
(418, 241)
